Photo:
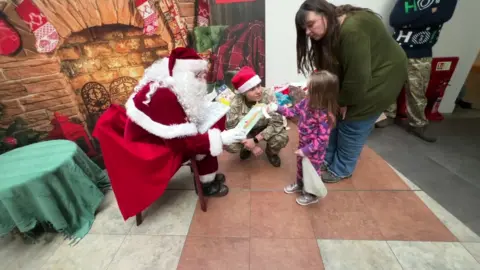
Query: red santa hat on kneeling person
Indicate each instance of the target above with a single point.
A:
(175, 80)
(245, 80)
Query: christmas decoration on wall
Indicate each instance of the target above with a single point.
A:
(121, 88)
(203, 13)
(64, 129)
(17, 135)
(46, 36)
(9, 37)
(149, 15)
(177, 24)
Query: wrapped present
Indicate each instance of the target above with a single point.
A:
(282, 99)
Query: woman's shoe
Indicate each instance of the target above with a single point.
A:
(293, 188)
(328, 177)
(306, 199)
(323, 167)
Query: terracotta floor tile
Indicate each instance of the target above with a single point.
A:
(401, 215)
(343, 215)
(373, 173)
(227, 216)
(236, 171)
(277, 215)
(264, 176)
(215, 253)
(346, 184)
(285, 254)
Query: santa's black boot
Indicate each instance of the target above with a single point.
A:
(214, 189)
(220, 177)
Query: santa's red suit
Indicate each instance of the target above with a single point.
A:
(144, 146)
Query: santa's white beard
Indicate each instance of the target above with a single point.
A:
(191, 93)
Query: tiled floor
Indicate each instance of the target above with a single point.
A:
(447, 170)
(375, 220)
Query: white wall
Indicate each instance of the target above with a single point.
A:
(459, 37)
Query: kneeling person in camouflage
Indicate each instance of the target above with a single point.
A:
(250, 92)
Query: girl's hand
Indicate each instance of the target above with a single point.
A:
(299, 153)
(343, 112)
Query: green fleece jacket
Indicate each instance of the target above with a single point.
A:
(373, 66)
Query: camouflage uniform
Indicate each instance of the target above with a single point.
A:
(272, 130)
(418, 78)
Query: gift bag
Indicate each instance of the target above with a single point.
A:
(312, 182)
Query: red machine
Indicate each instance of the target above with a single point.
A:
(442, 71)
(63, 129)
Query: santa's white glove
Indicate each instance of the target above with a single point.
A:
(233, 136)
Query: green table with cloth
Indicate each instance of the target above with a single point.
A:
(50, 183)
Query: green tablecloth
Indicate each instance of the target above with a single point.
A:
(51, 183)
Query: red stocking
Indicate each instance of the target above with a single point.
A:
(203, 13)
(149, 15)
(9, 38)
(46, 36)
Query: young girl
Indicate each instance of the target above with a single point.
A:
(316, 119)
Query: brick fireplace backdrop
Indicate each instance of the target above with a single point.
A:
(101, 55)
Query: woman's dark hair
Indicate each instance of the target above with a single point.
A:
(323, 90)
(322, 54)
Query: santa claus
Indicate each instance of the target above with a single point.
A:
(169, 120)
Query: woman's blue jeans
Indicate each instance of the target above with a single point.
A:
(346, 143)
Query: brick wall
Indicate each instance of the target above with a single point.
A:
(103, 54)
(34, 88)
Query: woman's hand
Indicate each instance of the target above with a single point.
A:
(343, 112)
(299, 153)
(249, 144)
(257, 151)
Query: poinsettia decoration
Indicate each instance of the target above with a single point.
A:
(17, 134)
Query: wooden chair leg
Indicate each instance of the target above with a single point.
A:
(139, 218)
(198, 185)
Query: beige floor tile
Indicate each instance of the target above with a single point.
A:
(16, 254)
(348, 255)
(183, 179)
(149, 252)
(433, 255)
(109, 220)
(169, 215)
(95, 251)
(474, 249)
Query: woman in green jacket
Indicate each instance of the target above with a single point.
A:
(353, 43)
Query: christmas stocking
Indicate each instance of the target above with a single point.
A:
(9, 38)
(46, 36)
(203, 13)
(149, 15)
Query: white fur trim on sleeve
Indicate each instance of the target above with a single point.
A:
(190, 65)
(254, 81)
(208, 178)
(155, 128)
(216, 145)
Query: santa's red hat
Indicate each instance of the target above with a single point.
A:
(245, 80)
(185, 59)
